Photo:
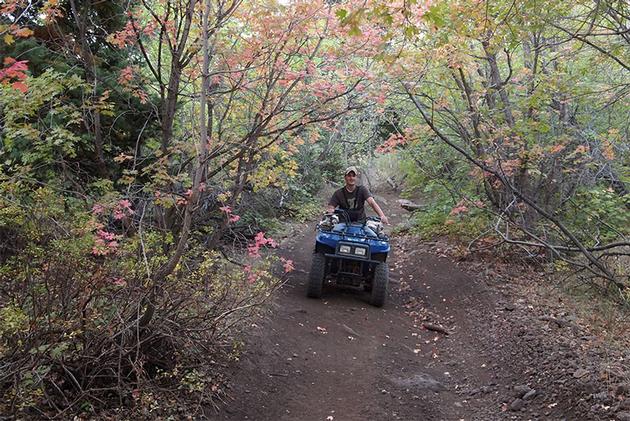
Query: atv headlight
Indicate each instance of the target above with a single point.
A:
(344, 249)
(359, 251)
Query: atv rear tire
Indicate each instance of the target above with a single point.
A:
(316, 276)
(379, 285)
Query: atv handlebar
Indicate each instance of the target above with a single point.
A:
(344, 214)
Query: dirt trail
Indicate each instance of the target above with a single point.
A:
(338, 358)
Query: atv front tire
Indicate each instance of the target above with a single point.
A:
(316, 276)
(379, 285)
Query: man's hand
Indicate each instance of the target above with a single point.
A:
(378, 210)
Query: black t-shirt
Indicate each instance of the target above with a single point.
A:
(353, 202)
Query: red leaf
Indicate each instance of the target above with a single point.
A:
(20, 86)
(14, 70)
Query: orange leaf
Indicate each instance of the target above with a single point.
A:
(23, 32)
(557, 148)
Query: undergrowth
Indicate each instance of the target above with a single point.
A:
(75, 336)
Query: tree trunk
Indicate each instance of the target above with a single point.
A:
(165, 270)
(169, 104)
(87, 58)
(497, 83)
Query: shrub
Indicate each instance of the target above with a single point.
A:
(72, 338)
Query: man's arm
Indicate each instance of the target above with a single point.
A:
(378, 210)
(332, 203)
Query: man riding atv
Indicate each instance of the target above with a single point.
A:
(350, 249)
(352, 198)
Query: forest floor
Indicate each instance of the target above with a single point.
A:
(516, 348)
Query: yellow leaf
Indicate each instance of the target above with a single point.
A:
(608, 151)
(8, 39)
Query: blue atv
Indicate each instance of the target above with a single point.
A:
(350, 254)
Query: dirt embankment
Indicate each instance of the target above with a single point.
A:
(456, 341)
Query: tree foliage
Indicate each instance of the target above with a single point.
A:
(535, 101)
(130, 132)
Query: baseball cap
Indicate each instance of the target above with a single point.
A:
(351, 169)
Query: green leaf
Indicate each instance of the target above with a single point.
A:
(58, 351)
(354, 30)
(410, 31)
(436, 14)
(341, 14)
